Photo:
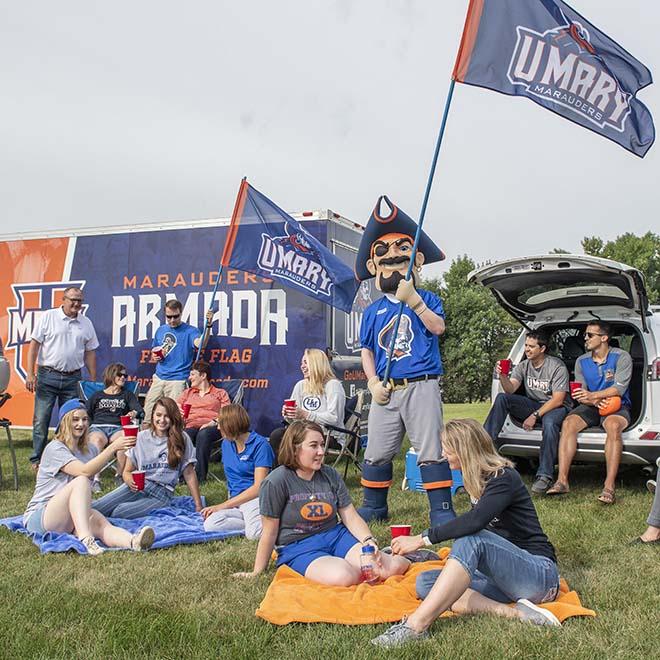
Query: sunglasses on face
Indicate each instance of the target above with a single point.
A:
(172, 316)
(78, 301)
(123, 374)
(589, 335)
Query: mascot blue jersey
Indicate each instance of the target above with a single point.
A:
(416, 351)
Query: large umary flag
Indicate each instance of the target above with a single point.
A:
(546, 51)
(265, 240)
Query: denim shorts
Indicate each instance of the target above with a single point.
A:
(35, 521)
(335, 542)
(107, 429)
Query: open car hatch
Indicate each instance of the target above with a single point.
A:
(526, 286)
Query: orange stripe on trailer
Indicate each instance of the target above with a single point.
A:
(468, 40)
(235, 221)
(375, 484)
(434, 485)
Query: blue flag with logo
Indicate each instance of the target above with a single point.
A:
(265, 240)
(544, 50)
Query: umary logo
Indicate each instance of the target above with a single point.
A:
(353, 320)
(404, 338)
(562, 67)
(293, 257)
(32, 300)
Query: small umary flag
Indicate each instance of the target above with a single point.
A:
(265, 240)
(546, 51)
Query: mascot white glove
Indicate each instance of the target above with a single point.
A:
(379, 393)
(406, 293)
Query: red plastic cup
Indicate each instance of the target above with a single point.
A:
(138, 478)
(505, 366)
(400, 530)
(158, 352)
(290, 404)
(574, 385)
(125, 420)
(186, 409)
(131, 430)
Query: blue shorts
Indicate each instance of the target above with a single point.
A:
(335, 542)
(108, 430)
(35, 521)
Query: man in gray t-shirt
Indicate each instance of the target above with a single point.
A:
(545, 379)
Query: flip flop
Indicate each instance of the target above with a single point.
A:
(607, 496)
(640, 541)
(558, 489)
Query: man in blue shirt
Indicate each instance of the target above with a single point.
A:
(604, 372)
(174, 347)
(410, 401)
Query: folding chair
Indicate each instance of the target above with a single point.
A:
(234, 389)
(5, 424)
(345, 443)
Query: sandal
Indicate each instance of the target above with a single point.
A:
(558, 488)
(607, 496)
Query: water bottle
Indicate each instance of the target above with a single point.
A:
(368, 564)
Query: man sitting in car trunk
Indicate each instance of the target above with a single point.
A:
(546, 382)
(604, 373)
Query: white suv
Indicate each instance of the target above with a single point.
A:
(560, 294)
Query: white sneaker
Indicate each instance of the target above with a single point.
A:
(93, 548)
(539, 616)
(143, 539)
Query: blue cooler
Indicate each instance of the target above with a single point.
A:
(413, 478)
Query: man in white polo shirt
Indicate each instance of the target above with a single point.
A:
(63, 340)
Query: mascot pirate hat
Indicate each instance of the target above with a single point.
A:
(397, 222)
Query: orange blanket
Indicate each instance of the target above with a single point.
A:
(290, 597)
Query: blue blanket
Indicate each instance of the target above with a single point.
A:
(175, 524)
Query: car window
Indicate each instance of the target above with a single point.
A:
(544, 293)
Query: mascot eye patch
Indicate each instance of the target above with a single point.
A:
(381, 248)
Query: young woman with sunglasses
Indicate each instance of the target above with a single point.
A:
(105, 409)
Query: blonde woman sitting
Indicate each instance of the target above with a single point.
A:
(319, 396)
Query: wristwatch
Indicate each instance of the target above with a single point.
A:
(425, 537)
(537, 414)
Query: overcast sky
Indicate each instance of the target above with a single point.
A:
(128, 112)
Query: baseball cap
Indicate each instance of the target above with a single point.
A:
(65, 408)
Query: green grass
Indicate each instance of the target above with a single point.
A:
(182, 602)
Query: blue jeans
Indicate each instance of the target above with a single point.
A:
(500, 570)
(51, 386)
(122, 502)
(520, 407)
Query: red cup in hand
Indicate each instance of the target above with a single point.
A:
(131, 430)
(186, 407)
(289, 406)
(138, 478)
(575, 386)
(125, 420)
(400, 530)
(505, 367)
(158, 352)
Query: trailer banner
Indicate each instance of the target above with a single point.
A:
(259, 327)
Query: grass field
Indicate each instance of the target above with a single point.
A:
(182, 602)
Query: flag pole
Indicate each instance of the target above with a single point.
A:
(230, 232)
(422, 213)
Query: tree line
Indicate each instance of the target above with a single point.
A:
(480, 332)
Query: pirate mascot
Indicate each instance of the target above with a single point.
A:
(410, 400)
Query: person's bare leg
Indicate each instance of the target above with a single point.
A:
(333, 571)
(70, 509)
(568, 445)
(98, 440)
(472, 602)
(121, 461)
(613, 426)
(113, 537)
(448, 588)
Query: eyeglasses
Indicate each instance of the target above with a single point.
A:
(172, 316)
(123, 374)
(78, 301)
(589, 335)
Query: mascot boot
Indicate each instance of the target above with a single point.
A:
(436, 479)
(376, 481)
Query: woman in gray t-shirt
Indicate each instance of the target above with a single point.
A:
(62, 496)
(300, 503)
(165, 453)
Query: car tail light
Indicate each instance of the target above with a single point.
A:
(655, 369)
(650, 435)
